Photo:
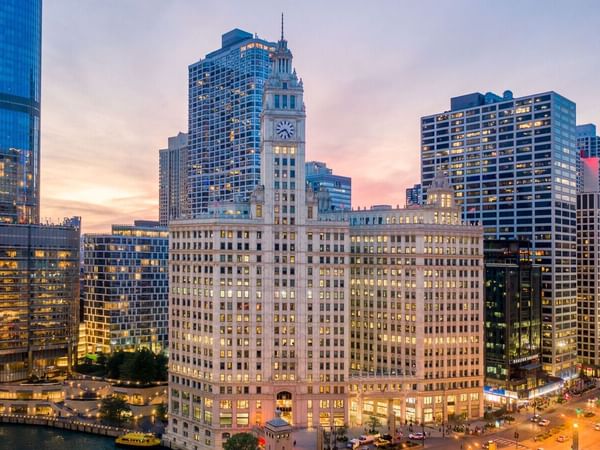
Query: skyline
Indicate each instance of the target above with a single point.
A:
(101, 132)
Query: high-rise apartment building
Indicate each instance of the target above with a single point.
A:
(258, 300)
(225, 102)
(126, 288)
(588, 142)
(334, 192)
(20, 94)
(414, 195)
(172, 179)
(513, 322)
(416, 312)
(588, 261)
(512, 163)
(39, 298)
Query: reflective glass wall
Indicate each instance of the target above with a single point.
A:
(20, 53)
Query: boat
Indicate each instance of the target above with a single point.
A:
(138, 440)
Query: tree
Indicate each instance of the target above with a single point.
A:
(113, 365)
(342, 433)
(114, 410)
(161, 412)
(373, 424)
(241, 441)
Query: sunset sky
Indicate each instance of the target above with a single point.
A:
(115, 83)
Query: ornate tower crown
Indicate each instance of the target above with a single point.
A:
(282, 61)
(440, 193)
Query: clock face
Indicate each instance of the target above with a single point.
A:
(284, 129)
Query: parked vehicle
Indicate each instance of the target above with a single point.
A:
(353, 444)
(382, 443)
(368, 438)
(416, 436)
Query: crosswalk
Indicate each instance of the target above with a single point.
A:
(503, 442)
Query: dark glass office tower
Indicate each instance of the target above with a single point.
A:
(513, 318)
(20, 76)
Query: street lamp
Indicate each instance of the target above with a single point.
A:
(575, 445)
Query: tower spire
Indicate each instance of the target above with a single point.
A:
(282, 26)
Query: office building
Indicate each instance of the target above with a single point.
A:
(588, 278)
(512, 163)
(39, 299)
(126, 288)
(172, 179)
(414, 195)
(225, 102)
(258, 296)
(20, 93)
(416, 312)
(334, 192)
(588, 142)
(513, 323)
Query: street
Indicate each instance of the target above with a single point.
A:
(557, 414)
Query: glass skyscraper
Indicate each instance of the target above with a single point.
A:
(172, 179)
(20, 53)
(39, 292)
(334, 192)
(512, 162)
(225, 102)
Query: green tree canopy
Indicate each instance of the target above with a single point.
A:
(114, 410)
(241, 441)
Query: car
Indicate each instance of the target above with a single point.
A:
(382, 443)
(561, 438)
(368, 438)
(416, 436)
(489, 445)
(387, 437)
(597, 427)
(353, 444)
(535, 418)
(544, 423)
(588, 414)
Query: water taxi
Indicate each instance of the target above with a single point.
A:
(138, 440)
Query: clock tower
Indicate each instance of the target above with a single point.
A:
(282, 136)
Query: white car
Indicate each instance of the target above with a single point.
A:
(544, 423)
(597, 427)
(416, 436)
(561, 438)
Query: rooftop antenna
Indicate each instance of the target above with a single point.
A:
(282, 26)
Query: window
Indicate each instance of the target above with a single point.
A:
(276, 101)
(292, 102)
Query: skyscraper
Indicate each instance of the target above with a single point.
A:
(414, 195)
(225, 101)
(39, 298)
(513, 322)
(512, 162)
(258, 296)
(20, 93)
(334, 192)
(126, 288)
(588, 261)
(172, 178)
(588, 141)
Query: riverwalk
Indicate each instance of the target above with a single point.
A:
(64, 423)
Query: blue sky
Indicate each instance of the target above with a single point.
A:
(115, 83)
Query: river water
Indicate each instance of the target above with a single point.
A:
(26, 437)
